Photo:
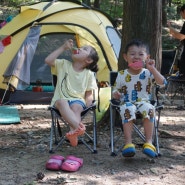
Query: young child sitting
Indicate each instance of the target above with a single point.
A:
(75, 84)
(133, 87)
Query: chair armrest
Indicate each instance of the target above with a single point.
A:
(91, 107)
(52, 108)
(115, 102)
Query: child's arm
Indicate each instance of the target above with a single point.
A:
(116, 94)
(89, 98)
(50, 59)
(150, 65)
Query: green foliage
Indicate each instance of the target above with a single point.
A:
(172, 13)
(18, 2)
(168, 42)
(113, 8)
(178, 2)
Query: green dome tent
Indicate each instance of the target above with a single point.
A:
(48, 24)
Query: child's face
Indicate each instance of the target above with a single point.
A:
(136, 54)
(82, 53)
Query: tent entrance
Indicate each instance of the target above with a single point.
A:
(40, 73)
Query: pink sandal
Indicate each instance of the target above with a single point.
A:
(72, 163)
(55, 162)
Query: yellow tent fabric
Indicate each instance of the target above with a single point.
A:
(90, 25)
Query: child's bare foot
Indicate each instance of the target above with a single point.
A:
(72, 137)
(81, 129)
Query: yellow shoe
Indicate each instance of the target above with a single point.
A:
(129, 150)
(149, 150)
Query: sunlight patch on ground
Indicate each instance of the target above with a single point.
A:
(32, 106)
(172, 119)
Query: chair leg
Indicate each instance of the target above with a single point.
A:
(156, 140)
(93, 139)
(136, 129)
(94, 132)
(52, 131)
(112, 130)
(113, 140)
(141, 135)
(55, 133)
(51, 137)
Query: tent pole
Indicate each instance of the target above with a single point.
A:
(8, 84)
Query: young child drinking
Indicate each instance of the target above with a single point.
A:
(75, 84)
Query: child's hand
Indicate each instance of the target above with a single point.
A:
(150, 64)
(68, 44)
(116, 95)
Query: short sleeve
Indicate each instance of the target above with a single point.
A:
(91, 81)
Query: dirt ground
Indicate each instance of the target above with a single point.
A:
(24, 150)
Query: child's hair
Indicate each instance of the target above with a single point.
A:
(94, 56)
(182, 8)
(138, 43)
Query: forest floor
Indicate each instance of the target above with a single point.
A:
(24, 151)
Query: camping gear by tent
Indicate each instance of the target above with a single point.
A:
(57, 21)
(9, 115)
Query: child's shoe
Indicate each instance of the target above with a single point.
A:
(149, 150)
(129, 150)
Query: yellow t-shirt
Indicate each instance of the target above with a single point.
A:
(72, 85)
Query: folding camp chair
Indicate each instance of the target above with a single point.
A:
(59, 127)
(114, 113)
(169, 62)
(176, 91)
(175, 88)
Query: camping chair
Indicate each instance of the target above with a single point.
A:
(59, 127)
(169, 62)
(176, 91)
(175, 88)
(114, 114)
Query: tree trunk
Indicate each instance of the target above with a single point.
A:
(96, 3)
(170, 3)
(164, 16)
(142, 20)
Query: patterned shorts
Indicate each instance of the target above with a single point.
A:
(128, 111)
